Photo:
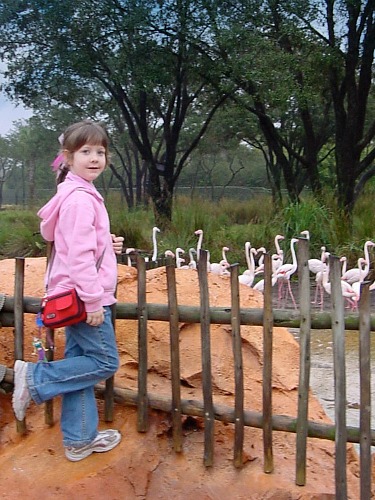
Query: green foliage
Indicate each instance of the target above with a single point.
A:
(230, 223)
(19, 234)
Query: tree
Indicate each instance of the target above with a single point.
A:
(351, 69)
(5, 166)
(134, 58)
(311, 68)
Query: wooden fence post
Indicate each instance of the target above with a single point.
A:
(50, 340)
(304, 361)
(338, 333)
(365, 392)
(110, 382)
(174, 335)
(267, 365)
(209, 416)
(19, 333)
(142, 347)
(238, 367)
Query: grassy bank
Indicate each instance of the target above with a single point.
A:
(228, 223)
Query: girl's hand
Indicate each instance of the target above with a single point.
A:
(95, 318)
(117, 242)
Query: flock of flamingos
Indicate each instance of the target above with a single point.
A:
(282, 272)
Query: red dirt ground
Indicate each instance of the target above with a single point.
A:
(144, 466)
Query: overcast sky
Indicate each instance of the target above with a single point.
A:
(9, 112)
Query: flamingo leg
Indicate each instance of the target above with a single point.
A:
(316, 294)
(291, 295)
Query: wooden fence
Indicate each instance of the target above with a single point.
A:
(14, 308)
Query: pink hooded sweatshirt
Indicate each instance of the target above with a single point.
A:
(77, 221)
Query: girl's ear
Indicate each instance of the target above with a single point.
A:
(68, 157)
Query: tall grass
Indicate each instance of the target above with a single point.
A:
(228, 223)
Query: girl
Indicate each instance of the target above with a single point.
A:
(77, 221)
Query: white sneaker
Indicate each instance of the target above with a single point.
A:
(104, 441)
(21, 394)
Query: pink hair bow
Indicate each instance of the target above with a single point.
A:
(57, 162)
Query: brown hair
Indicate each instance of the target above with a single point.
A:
(79, 134)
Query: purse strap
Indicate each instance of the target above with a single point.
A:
(52, 258)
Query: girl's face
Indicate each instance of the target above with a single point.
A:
(88, 161)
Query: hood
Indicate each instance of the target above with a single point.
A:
(49, 213)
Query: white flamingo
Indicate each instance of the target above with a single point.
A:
(199, 233)
(319, 290)
(344, 261)
(247, 277)
(192, 262)
(260, 268)
(250, 264)
(347, 291)
(169, 253)
(285, 272)
(260, 284)
(224, 253)
(219, 268)
(357, 284)
(128, 251)
(354, 274)
(179, 259)
(317, 265)
(154, 243)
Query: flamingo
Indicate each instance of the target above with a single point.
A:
(224, 253)
(319, 285)
(306, 234)
(169, 253)
(247, 277)
(128, 251)
(154, 242)
(354, 274)
(343, 259)
(260, 285)
(276, 261)
(357, 284)
(278, 257)
(260, 268)
(250, 264)
(219, 268)
(179, 259)
(284, 273)
(347, 291)
(192, 262)
(316, 265)
(199, 233)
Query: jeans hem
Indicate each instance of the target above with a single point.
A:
(78, 444)
(30, 384)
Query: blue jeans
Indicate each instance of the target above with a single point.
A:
(90, 357)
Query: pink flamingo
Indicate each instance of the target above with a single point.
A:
(247, 277)
(347, 291)
(354, 274)
(284, 273)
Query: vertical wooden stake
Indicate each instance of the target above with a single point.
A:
(338, 332)
(238, 368)
(209, 417)
(267, 365)
(175, 357)
(304, 361)
(365, 391)
(142, 347)
(19, 334)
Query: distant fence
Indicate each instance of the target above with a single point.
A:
(13, 309)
